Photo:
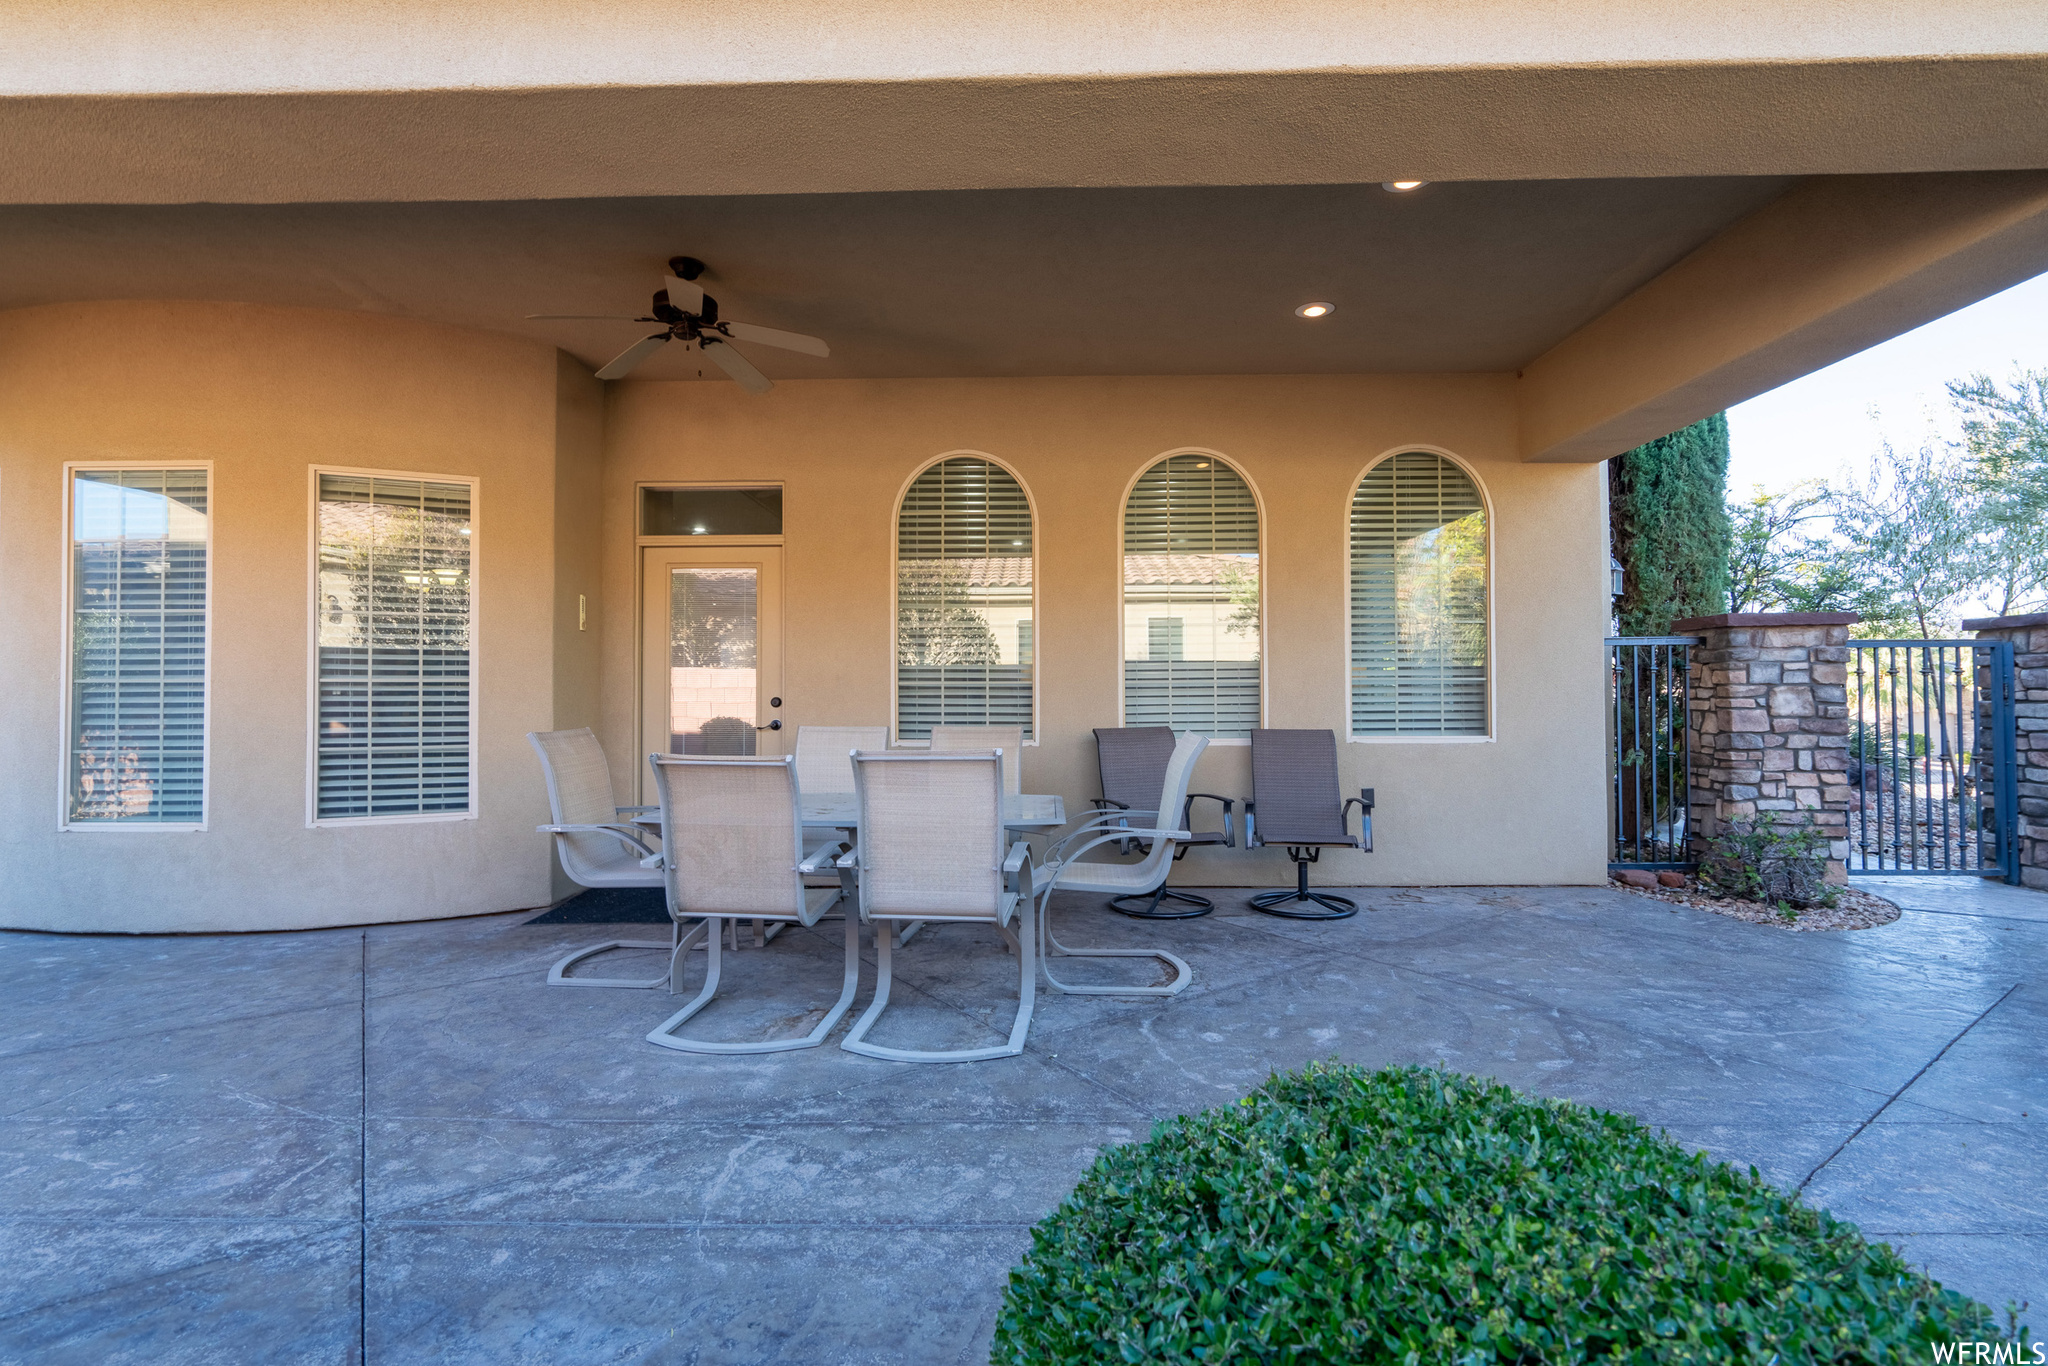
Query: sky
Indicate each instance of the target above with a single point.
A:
(1813, 427)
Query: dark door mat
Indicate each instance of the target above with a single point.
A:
(609, 906)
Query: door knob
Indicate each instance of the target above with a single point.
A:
(772, 725)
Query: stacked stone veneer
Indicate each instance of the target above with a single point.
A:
(1768, 724)
(2029, 637)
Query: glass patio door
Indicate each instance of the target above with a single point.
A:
(711, 646)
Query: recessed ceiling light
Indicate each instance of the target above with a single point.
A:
(1402, 186)
(1315, 310)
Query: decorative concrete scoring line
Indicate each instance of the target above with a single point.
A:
(1907, 1087)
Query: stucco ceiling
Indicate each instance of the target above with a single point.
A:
(1454, 277)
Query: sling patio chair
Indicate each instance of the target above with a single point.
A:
(1006, 740)
(821, 762)
(597, 847)
(1132, 763)
(1063, 868)
(732, 842)
(932, 849)
(1296, 803)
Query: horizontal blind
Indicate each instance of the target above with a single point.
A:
(393, 702)
(1191, 599)
(1418, 600)
(138, 646)
(965, 649)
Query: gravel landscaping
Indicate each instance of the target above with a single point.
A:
(1853, 909)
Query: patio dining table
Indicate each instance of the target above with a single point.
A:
(841, 811)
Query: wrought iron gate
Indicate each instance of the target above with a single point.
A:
(1650, 764)
(1931, 758)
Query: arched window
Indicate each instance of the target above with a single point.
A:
(964, 640)
(1418, 599)
(1191, 599)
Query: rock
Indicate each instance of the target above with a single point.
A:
(1634, 877)
(1667, 878)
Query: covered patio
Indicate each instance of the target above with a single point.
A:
(398, 1144)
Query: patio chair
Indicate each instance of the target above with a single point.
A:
(732, 842)
(1007, 741)
(1296, 803)
(821, 762)
(1064, 868)
(596, 847)
(932, 849)
(1132, 763)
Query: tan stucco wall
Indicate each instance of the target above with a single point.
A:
(263, 394)
(1527, 807)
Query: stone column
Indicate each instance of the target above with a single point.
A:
(2029, 637)
(1768, 724)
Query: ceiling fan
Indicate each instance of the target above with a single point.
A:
(689, 315)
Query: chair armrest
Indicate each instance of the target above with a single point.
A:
(1363, 801)
(1116, 837)
(849, 859)
(1099, 802)
(636, 810)
(652, 863)
(1017, 871)
(826, 857)
(1187, 815)
(1101, 820)
(621, 832)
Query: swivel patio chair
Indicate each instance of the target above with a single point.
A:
(597, 848)
(1132, 763)
(932, 849)
(1296, 803)
(1007, 741)
(1064, 868)
(732, 841)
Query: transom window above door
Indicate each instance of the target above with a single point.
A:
(1192, 624)
(966, 652)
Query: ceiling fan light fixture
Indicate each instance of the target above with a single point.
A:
(1401, 186)
(1315, 310)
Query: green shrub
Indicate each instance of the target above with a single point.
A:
(1338, 1215)
(1784, 863)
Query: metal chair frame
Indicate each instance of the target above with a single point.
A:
(1149, 909)
(1014, 903)
(1304, 851)
(805, 910)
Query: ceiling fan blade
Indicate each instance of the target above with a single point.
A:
(585, 317)
(774, 336)
(683, 294)
(739, 367)
(622, 364)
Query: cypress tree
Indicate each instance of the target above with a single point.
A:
(1668, 510)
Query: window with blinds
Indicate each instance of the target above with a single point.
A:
(139, 545)
(1418, 600)
(965, 648)
(393, 694)
(1191, 599)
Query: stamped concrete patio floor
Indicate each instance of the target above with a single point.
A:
(399, 1145)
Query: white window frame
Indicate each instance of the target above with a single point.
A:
(1492, 680)
(314, 821)
(64, 822)
(1037, 635)
(1259, 505)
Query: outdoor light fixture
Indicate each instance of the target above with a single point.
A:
(1401, 186)
(1616, 577)
(1315, 310)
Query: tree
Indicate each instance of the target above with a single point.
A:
(1775, 564)
(1669, 518)
(1910, 531)
(2005, 441)
(937, 621)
